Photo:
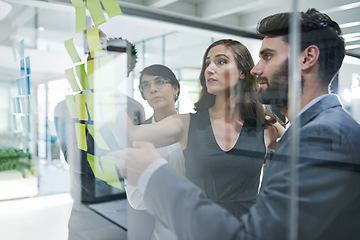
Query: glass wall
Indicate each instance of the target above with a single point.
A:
(33, 80)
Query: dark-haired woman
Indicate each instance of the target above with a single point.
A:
(225, 141)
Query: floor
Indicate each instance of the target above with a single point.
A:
(37, 210)
(37, 218)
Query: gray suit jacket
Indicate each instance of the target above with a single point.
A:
(329, 187)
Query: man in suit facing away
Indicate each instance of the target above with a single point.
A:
(327, 185)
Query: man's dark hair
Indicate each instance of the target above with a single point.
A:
(122, 45)
(316, 29)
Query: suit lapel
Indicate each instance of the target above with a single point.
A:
(330, 101)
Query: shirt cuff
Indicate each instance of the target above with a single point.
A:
(145, 176)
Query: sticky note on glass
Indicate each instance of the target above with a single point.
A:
(104, 170)
(91, 106)
(27, 85)
(22, 67)
(95, 133)
(91, 68)
(70, 47)
(81, 136)
(83, 79)
(27, 63)
(20, 85)
(94, 42)
(81, 107)
(112, 178)
(70, 103)
(112, 7)
(95, 166)
(69, 73)
(80, 15)
(96, 12)
(20, 48)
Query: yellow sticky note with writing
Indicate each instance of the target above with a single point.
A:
(95, 133)
(94, 42)
(81, 106)
(83, 79)
(96, 12)
(70, 48)
(69, 73)
(69, 99)
(81, 136)
(111, 7)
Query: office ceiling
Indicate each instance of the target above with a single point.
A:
(57, 17)
(245, 14)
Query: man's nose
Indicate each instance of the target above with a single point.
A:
(257, 69)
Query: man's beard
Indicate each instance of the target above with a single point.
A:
(277, 91)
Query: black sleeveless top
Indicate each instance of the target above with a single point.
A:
(231, 179)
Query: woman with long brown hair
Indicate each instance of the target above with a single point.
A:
(226, 140)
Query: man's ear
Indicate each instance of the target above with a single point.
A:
(309, 57)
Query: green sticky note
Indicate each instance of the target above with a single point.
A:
(69, 99)
(80, 15)
(70, 47)
(81, 107)
(95, 166)
(96, 12)
(111, 7)
(94, 42)
(69, 73)
(80, 72)
(91, 73)
(81, 136)
(112, 178)
(90, 105)
(95, 133)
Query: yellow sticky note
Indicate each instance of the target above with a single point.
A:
(96, 12)
(94, 42)
(69, 73)
(91, 68)
(80, 72)
(111, 7)
(81, 107)
(104, 170)
(81, 136)
(80, 15)
(90, 105)
(70, 48)
(95, 166)
(112, 178)
(95, 133)
(69, 99)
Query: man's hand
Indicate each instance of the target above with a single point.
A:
(132, 162)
